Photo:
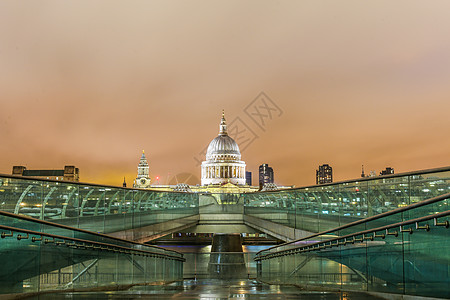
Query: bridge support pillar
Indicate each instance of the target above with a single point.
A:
(227, 258)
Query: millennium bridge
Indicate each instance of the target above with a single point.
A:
(385, 235)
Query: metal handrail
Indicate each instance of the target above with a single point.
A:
(329, 243)
(91, 244)
(365, 220)
(28, 218)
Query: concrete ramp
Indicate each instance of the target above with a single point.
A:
(279, 231)
(155, 231)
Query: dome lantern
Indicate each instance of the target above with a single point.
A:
(223, 125)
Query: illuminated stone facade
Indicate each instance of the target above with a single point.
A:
(223, 160)
(143, 179)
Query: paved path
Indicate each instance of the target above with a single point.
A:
(212, 289)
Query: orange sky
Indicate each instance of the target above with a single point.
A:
(92, 83)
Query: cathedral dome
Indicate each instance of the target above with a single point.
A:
(223, 160)
(223, 147)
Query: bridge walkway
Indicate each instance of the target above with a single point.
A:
(93, 231)
(410, 255)
(31, 247)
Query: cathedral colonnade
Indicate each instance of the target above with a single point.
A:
(224, 172)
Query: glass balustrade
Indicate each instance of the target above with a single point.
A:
(406, 251)
(93, 207)
(38, 256)
(323, 207)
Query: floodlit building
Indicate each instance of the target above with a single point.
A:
(143, 180)
(223, 160)
(222, 172)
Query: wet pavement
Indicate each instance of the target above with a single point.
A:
(211, 289)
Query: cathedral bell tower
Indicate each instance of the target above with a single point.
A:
(143, 179)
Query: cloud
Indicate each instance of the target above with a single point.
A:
(92, 84)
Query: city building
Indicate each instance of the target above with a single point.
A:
(387, 171)
(142, 180)
(248, 177)
(265, 175)
(69, 173)
(324, 174)
(223, 160)
(222, 172)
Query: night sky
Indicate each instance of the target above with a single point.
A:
(93, 83)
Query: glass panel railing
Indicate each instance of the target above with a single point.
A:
(418, 209)
(39, 256)
(93, 207)
(405, 251)
(323, 207)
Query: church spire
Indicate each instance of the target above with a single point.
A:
(143, 169)
(223, 125)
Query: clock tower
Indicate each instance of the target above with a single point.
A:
(143, 180)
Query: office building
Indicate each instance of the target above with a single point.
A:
(248, 178)
(324, 174)
(265, 175)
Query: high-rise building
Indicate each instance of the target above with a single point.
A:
(248, 178)
(69, 173)
(387, 171)
(324, 174)
(265, 175)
